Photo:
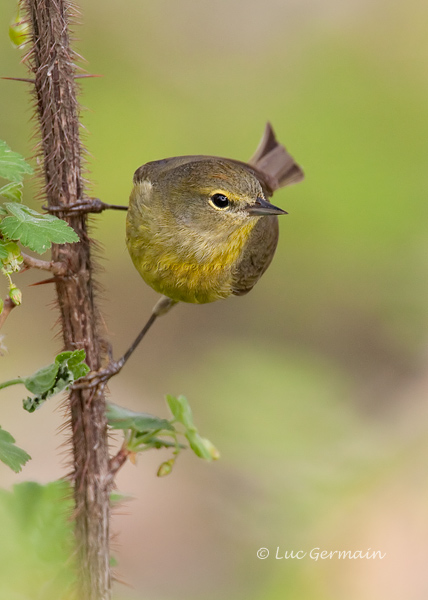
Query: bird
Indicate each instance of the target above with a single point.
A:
(202, 228)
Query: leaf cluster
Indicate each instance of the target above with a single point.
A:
(19, 223)
(143, 431)
(44, 383)
(53, 379)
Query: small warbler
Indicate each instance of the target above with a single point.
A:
(201, 228)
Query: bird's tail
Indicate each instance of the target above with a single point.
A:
(272, 160)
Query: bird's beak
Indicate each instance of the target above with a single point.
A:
(263, 207)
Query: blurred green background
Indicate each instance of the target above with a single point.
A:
(313, 386)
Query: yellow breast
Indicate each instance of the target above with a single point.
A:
(179, 262)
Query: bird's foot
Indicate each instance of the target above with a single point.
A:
(84, 205)
(100, 377)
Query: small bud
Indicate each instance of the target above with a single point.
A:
(166, 468)
(15, 295)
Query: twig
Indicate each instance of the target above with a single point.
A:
(57, 268)
(116, 462)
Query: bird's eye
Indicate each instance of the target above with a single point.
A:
(219, 201)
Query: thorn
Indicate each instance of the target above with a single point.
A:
(19, 79)
(86, 76)
(118, 579)
(50, 280)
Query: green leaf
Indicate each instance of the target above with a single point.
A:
(42, 380)
(13, 166)
(74, 363)
(181, 410)
(12, 191)
(199, 445)
(4, 253)
(32, 403)
(34, 230)
(11, 455)
(53, 379)
(64, 357)
(123, 418)
(37, 550)
(156, 442)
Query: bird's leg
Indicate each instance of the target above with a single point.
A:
(95, 378)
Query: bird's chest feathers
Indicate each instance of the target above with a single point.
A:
(186, 245)
(188, 264)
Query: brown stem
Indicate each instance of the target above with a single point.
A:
(56, 268)
(52, 64)
(116, 462)
(8, 305)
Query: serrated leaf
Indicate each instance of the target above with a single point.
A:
(34, 230)
(12, 456)
(181, 410)
(123, 418)
(13, 166)
(12, 191)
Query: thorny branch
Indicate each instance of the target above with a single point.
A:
(52, 66)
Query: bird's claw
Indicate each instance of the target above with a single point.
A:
(97, 378)
(85, 205)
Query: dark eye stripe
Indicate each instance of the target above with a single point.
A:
(220, 200)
